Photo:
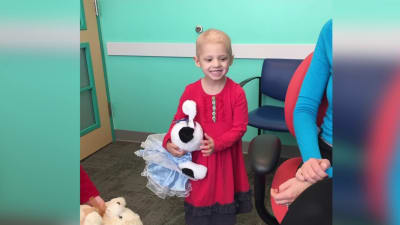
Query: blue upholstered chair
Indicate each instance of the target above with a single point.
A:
(273, 82)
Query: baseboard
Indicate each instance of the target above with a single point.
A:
(287, 151)
(245, 147)
(131, 136)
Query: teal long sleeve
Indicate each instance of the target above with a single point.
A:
(317, 82)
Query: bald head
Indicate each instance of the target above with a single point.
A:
(213, 36)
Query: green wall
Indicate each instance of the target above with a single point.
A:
(144, 91)
(39, 128)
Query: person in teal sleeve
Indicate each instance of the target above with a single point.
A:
(309, 194)
(318, 81)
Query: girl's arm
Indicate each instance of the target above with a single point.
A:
(240, 120)
(87, 188)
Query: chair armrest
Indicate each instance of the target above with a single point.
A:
(248, 80)
(264, 152)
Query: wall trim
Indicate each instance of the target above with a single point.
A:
(245, 51)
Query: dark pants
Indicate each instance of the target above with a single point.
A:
(314, 205)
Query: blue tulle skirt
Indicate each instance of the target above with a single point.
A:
(162, 171)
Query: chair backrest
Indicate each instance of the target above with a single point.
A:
(293, 92)
(276, 75)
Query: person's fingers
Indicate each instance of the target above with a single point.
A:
(206, 152)
(325, 164)
(309, 175)
(273, 192)
(102, 208)
(177, 152)
(173, 145)
(181, 152)
(299, 175)
(285, 202)
(99, 204)
(204, 145)
(281, 201)
(174, 148)
(319, 172)
(284, 186)
(282, 197)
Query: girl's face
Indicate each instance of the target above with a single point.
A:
(214, 60)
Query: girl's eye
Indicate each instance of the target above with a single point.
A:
(208, 60)
(223, 59)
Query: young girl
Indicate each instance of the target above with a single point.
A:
(222, 112)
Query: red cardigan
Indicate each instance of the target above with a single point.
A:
(88, 189)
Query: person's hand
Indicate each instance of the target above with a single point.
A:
(289, 191)
(207, 146)
(174, 150)
(313, 170)
(98, 203)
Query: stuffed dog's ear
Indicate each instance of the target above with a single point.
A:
(189, 108)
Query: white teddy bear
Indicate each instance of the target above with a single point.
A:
(116, 214)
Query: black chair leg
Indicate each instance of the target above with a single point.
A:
(259, 195)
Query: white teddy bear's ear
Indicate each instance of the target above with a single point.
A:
(115, 206)
(118, 214)
(189, 108)
(130, 218)
(118, 201)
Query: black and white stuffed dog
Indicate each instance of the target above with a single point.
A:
(187, 135)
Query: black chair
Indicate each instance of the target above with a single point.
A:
(273, 82)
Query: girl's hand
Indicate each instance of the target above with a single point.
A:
(174, 150)
(207, 146)
(289, 191)
(313, 170)
(98, 203)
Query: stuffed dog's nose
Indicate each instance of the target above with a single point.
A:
(186, 134)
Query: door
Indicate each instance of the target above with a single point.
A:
(95, 125)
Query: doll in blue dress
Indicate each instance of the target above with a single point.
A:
(168, 175)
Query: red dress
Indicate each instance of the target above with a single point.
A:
(225, 189)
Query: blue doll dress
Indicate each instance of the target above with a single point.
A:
(162, 171)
